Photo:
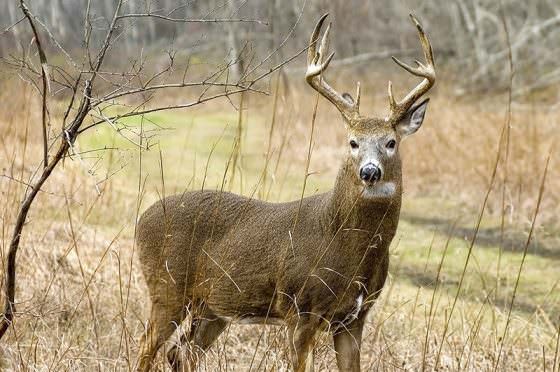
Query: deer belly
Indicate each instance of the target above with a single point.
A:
(237, 297)
(255, 320)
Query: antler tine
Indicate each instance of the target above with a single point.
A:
(323, 48)
(412, 70)
(426, 46)
(317, 64)
(358, 92)
(392, 103)
(311, 52)
(424, 69)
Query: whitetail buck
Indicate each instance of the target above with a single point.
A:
(313, 265)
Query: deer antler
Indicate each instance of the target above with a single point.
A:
(317, 64)
(427, 71)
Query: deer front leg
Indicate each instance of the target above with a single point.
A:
(347, 344)
(203, 333)
(301, 336)
(162, 324)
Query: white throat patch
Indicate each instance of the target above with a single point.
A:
(380, 190)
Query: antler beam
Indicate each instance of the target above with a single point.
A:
(317, 64)
(425, 70)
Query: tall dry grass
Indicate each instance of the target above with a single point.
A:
(82, 301)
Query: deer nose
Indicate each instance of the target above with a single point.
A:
(370, 173)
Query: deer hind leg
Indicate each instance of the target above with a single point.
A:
(347, 344)
(301, 337)
(163, 322)
(203, 333)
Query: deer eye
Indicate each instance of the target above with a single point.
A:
(391, 144)
(354, 144)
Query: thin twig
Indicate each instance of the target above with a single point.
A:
(7, 29)
(145, 89)
(44, 77)
(187, 20)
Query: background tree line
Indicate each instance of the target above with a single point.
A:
(470, 37)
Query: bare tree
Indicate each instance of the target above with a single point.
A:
(90, 87)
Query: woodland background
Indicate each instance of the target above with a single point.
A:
(219, 100)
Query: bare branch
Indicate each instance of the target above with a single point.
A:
(7, 29)
(101, 55)
(187, 20)
(175, 85)
(44, 77)
(289, 34)
(56, 42)
(163, 108)
(70, 135)
(521, 41)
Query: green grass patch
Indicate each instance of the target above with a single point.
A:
(187, 151)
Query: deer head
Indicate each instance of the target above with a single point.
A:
(373, 143)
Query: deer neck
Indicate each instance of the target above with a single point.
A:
(348, 205)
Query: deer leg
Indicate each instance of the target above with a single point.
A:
(162, 324)
(310, 362)
(347, 343)
(203, 333)
(301, 336)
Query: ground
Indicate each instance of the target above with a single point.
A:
(82, 301)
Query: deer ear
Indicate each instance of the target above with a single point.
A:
(413, 119)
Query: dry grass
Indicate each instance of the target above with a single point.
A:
(81, 297)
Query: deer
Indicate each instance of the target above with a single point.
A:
(313, 265)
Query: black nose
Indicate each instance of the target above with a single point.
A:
(370, 173)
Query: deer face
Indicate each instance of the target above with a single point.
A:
(373, 149)
(374, 143)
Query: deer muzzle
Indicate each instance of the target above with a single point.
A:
(370, 173)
